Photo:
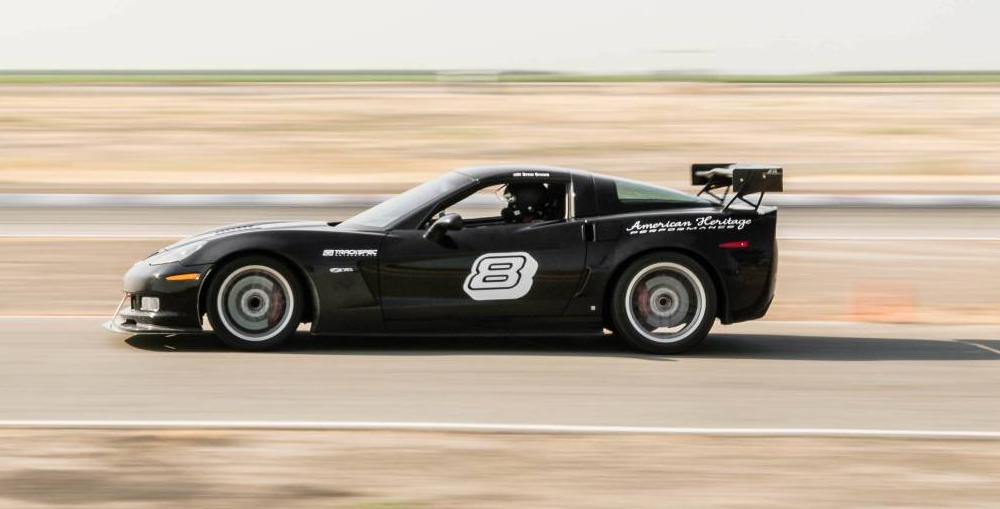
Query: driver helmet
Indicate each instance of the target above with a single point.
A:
(525, 200)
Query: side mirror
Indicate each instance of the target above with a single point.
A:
(442, 226)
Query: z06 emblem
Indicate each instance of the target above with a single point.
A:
(501, 276)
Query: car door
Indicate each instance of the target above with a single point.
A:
(480, 274)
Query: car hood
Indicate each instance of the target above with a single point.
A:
(239, 228)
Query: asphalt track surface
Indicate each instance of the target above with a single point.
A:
(755, 375)
(787, 375)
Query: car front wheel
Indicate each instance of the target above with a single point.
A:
(664, 303)
(254, 303)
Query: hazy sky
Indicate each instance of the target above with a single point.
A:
(580, 35)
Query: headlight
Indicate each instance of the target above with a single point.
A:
(175, 255)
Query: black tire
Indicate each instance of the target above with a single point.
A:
(254, 303)
(660, 291)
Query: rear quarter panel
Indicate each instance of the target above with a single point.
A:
(744, 278)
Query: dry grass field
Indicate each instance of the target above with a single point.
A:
(353, 137)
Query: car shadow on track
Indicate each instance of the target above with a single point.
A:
(304, 344)
(722, 346)
(789, 347)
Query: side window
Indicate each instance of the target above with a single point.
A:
(511, 202)
(631, 192)
(483, 205)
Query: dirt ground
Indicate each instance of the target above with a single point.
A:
(399, 470)
(358, 137)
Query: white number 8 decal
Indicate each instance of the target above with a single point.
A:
(501, 276)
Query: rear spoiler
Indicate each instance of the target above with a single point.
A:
(741, 179)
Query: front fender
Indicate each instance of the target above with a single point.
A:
(342, 299)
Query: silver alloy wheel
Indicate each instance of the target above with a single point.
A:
(665, 302)
(255, 303)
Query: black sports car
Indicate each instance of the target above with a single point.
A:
(552, 250)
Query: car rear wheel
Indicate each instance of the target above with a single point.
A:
(254, 303)
(664, 303)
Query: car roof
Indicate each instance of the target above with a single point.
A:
(501, 170)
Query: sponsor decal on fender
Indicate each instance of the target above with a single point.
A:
(350, 252)
(698, 224)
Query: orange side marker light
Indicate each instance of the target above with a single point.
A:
(184, 277)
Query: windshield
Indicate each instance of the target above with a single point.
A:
(383, 215)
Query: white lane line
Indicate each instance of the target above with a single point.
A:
(85, 236)
(884, 239)
(977, 345)
(49, 317)
(500, 428)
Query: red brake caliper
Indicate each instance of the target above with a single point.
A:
(278, 307)
(644, 301)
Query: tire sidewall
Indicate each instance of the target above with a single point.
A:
(219, 326)
(624, 327)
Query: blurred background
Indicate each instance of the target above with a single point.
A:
(127, 124)
(854, 100)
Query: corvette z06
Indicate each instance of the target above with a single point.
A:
(501, 250)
